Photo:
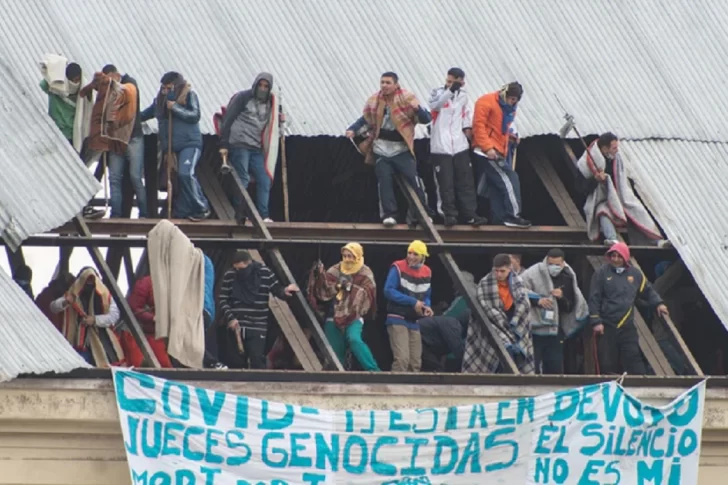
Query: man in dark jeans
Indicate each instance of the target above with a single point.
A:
(614, 289)
(244, 295)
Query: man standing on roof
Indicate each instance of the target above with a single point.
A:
(493, 141)
(558, 309)
(409, 295)
(504, 299)
(450, 150)
(249, 133)
(389, 118)
(133, 156)
(62, 83)
(176, 101)
(614, 289)
(611, 202)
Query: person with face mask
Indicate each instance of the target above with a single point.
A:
(249, 135)
(615, 287)
(558, 309)
(409, 298)
(611, 202)
(177, 97)
(350, 287)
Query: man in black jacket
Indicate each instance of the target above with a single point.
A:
(614, 289)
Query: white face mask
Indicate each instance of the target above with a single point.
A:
(555, 270)
(619, 270)
(73, 88)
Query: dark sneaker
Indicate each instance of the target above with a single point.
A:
(478, 221)
(200, 217)
(450, 221)
(517, 221)
(91, 213)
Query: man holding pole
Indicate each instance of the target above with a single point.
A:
(249, 135)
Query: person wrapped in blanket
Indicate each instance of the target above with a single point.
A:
(351, 288)
(89, 315)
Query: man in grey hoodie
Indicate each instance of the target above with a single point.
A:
(249, 133)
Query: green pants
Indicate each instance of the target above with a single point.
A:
(351, 336)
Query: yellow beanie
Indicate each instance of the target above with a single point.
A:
(419, 248)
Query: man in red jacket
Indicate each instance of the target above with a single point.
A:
(141, 302)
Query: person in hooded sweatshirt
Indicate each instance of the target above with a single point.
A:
(177, 98)
(249, 134)
(614, 289)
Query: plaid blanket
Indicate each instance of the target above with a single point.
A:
(354, 296)
(480, 356)
(401, 112)
(113, 114)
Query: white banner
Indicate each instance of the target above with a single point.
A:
(177, 434)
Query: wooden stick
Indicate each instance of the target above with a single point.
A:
(515, 157)
(239, 340)
(284, 171)
(106, 188)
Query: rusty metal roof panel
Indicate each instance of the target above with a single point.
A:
(644, 69)
(30, 343)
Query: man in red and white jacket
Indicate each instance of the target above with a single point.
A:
(450, 151)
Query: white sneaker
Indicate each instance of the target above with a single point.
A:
(389, 222)
(610, 242)
(664, 244)
(267, 220)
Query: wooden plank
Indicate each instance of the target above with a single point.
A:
(129, 268)
(507, 363)
(16, 259)
(126, 312)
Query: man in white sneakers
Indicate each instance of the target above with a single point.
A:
(450, 150)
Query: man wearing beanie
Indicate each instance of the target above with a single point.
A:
(494, 140)
(612, 294)
(408, 295)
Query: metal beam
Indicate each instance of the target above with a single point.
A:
(456, 276)
(126, 311)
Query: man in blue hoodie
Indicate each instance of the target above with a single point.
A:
(249, 134)
(177, 102)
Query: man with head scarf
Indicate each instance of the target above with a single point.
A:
(249, 134)
(494, 142)
(244, 295)
(178, 103)
(614, 288)
(89, 314)
(350, 287)
(409, 297)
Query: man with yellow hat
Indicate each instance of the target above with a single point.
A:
(408, 295)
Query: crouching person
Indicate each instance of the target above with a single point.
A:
(351, 288)
(408, 295)
(89, 314)
(558, 310)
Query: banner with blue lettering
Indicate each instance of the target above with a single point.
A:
(176, 434)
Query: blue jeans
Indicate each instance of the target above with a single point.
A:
(189, 200)
(245, 162)
(117, 163)
(607, 227)
(386, 169)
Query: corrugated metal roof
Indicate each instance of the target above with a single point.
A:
(646, 69)
(683, 183)
(43, 182)
(30, 343)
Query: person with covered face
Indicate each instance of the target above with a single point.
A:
(505, 301)
(389, 118)
(409, 297)
(244, 295)
(611, 202)
(494, 143)
(558, 309)
(177, 103)
(249, 134)
(615, 287)
(350, 287)
(89, 315)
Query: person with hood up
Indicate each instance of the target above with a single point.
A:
(389, 119)
(55, 289)
(494, 143)
(177, 98)
(450, 150)
(504, 299)
(244, 295)
(249, 134)
(558, 309)
(409, 297)
(89, 315)
(351, 288)
(614, 289)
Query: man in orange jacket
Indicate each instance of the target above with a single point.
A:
(492, 133)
